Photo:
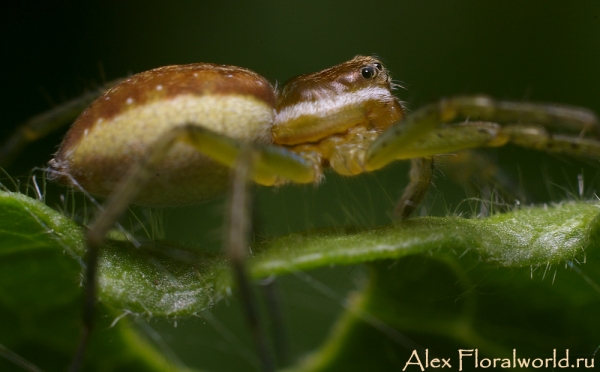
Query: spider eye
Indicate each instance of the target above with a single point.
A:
(378, 66)
(367, 72)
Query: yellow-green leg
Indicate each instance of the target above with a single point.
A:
(469, 122)
(263, 164)
(420, 175)
(484, 122)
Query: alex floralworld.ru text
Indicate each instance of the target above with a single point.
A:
(469, 358)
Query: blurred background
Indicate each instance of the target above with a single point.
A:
(539, 50)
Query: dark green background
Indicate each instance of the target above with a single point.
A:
(518, 50)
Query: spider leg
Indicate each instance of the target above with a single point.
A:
(238, 231)
(420, 175)
(270, 164)
(41, 125)
(264, 164)
(274, 311)
(479, 119)
(539, 138)
(430, 131)
(467, 135)
(114, 208)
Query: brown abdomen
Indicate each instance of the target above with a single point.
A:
(119, 128)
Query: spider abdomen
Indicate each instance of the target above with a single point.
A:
(119, 128)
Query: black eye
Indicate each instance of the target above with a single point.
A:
(378, 66)
(367, 72)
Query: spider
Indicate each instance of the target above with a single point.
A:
(170, 136)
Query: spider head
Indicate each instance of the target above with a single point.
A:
(314, 106)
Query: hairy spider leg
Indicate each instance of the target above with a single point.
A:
(433, 130)
(420, 176)
(268, 165)
(236, 244)
(429, 130)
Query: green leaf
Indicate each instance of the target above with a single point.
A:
(444, 296)
(40, 296)
(530, 236)
(457, 297)
(444, 304)
(544, 300)
(163, 279)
